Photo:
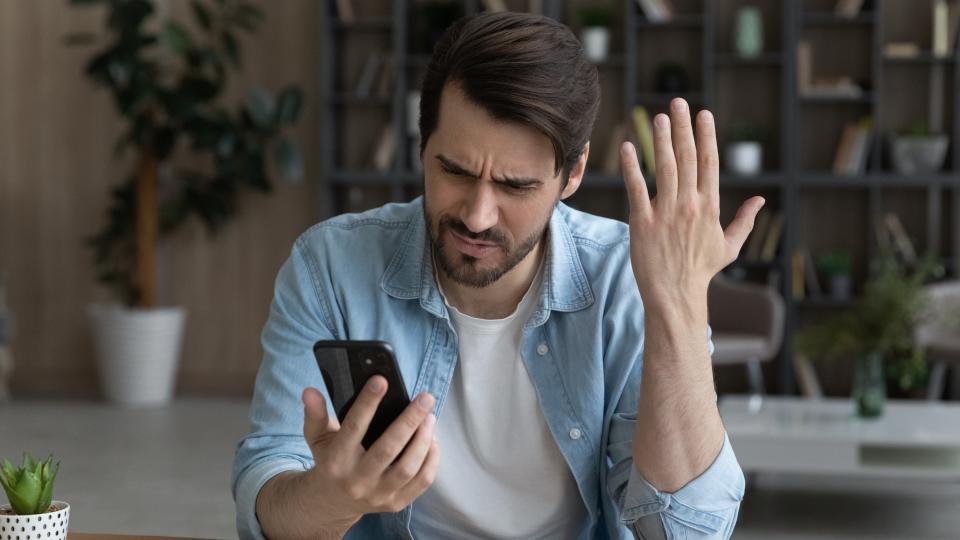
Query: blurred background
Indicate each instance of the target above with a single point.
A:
(159, 157)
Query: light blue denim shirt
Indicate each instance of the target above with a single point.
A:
(369, 276)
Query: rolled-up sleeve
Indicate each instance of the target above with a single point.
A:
(275, 443)
(706, 507)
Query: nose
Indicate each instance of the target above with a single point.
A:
(480, 212)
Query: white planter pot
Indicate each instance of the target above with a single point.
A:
(137, 351)
(919, 155)
(745, 158)
(50, 526)
(596, 43)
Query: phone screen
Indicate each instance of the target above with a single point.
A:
(347, 365)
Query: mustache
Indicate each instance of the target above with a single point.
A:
(489, 235)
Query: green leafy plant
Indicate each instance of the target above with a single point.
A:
(882, 321)
(30, 487)
(834, 263)
(743, 131)
(919, 128)
(167, 82)
(593, 16)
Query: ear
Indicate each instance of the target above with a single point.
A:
(576, 173)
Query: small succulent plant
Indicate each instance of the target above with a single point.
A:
(29, 488)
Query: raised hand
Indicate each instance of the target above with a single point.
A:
(677, 243)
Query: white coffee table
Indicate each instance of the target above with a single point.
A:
(913, 439)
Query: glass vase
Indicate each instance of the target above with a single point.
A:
(869, 386)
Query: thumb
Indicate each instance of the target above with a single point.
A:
(738, 230)
(318, 426)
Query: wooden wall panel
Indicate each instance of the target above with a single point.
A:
(56, 167)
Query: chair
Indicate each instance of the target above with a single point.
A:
(748, 322)
(939, 334)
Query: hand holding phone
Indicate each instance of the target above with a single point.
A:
(396, 469)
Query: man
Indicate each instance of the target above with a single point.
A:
(572, 397)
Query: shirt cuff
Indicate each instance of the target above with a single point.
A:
(704, 504)
(248, 487)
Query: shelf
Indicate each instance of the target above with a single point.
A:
(828, 18)
(825, 302)
(367, 24)
(771, 59)
(657, 98)
(682, 21)
(761, 180)
(372, 177)
(814, 99)
(924, 58)
(881, 179)
(349, 100)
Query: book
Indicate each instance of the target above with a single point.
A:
(797, 282)
(644, 130)
(653, 10)
(383, 152)
(387, 76)
(900, 239)
(772, 240)
(804, 66)
(848, 8)
(953, 25)
(857, 164)
(756, 238)
(810, 274)
(940, 45)
(901, 49)
(345, 11)
(611, 162)
(368, 73)
(494, 5)
(845, 149)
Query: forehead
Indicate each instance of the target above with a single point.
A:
(469, 134)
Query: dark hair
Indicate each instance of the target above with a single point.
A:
(522, 68)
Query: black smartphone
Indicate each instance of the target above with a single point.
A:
(347, 365)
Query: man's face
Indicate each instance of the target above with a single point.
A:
(489, 191)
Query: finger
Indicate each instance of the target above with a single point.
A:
(393, 440)
(736, 233)
(684, 147)
(411, 461)
(708, 166)
(636, 184)
(358, 418)
(424, 479)
(318, 425)
(665, 160)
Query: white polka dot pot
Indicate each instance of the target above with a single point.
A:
(50, 526)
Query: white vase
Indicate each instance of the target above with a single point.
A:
(137, 351)
(744, 158)
(49, 526)
(596, 43)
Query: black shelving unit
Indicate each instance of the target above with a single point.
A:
(795, 179)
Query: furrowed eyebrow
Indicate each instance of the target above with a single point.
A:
(454, 168)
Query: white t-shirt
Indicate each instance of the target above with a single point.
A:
(501, 474)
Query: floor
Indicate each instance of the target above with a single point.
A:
(167, 472)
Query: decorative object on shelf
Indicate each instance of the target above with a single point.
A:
(166, 82)
(656, 11)
(672, 79)
(6, 337)
(744, 152)
(848, 8)
(748, 32)
(436, 16)
(835, 265)
(918, 151)
(880, 325)
(869, 391)
(853, 149)
(595, 31)
(32, 512)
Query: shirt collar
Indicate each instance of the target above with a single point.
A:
(565, 287)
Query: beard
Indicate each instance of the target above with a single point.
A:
(466, 270)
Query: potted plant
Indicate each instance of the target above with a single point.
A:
(32, 512)
(744, 152)
(835, 265)
(918, 151)
(595, 31)
(167, 82)
(878, 333)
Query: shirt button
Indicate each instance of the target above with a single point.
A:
(575, 433)
(542, 349)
